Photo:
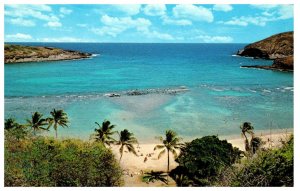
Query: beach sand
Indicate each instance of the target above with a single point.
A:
(135, 166)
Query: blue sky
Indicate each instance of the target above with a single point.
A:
(182, 23)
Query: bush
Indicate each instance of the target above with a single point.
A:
(47, 162)
(202, 160)
(267, 168)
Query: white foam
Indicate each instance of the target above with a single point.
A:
(265, 90)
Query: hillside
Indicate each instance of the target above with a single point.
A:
(279, 47)
(19, 53)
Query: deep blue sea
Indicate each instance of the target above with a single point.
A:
(220, 95)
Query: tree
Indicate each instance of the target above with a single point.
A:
(37, 122)
(126, 139)
(12, 128)
(104, 133)
(255, 142)
(246, 127)
(270, 167)
(155, 176)
(59, 118)
(170, 144)
(10, 123)
(179, 175)
(202, 160)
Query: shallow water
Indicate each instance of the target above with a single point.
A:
(220, 95)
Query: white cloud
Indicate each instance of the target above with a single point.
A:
(23, 12)
(22, 22)
(222, 7)
(37, 7)
(278, 11)
(264, 6)
(193, 12)
(180, 22)
(235, 21)
(130, 9)
(63, 39)
(269, 13)
(155, 10)
(113, 26)
(158, 35)
(245, 21)
(214, 39)
(116, 25)
(65, 11)
(18, 36)
(286, 12)
(53, 24)
(35, 11)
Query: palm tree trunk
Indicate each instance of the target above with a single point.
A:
(168, 160)
(120, 157)
(55, 127)
(168, 167)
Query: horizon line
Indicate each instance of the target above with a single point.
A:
(140, 42)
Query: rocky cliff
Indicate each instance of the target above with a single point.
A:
(279, 47)
(18, 53)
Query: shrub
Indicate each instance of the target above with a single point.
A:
(202, 160)
(268, 168)
(47, 162)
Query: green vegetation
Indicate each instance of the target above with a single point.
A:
(32, 160)
(58, 118)
(104, 133)
(272, 167)
(202, 160)
(126, 139)
(170, 144)
(255, 142)
(37, 123)
(19, 51)
(41, 161)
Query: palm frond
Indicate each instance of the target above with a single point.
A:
(161, 153)
(158, 147)
(174, 153)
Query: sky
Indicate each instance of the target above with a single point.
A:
(153, 23)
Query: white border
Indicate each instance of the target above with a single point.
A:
(296, 77)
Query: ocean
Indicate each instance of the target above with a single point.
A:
(194, 89)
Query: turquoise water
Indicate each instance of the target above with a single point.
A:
(220, 95)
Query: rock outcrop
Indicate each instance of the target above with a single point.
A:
(18, 53)
(279, 47)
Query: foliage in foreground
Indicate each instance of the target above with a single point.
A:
(268, 168)
(202, 160)
(41, 161)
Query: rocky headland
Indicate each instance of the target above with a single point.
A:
(279, 47)
(19, 53)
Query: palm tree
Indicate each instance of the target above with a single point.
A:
(17, 130)
(104, 132)
(59, 118)
(155, 176)
(246, 127)
(126, 139)
(37, 122)
(170, 144)
(10, 123)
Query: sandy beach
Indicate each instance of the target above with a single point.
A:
(135, 166)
